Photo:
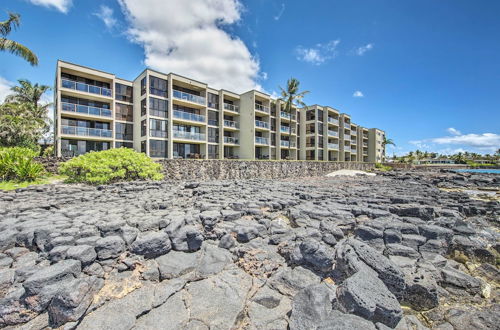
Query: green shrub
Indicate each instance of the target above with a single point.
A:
(108, 166)
(17, 164)
(382, 167)
(48, 152)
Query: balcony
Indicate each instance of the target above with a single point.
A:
(353, 134)
(333, 121)
(261, 140)
(230, 140)
(189, 97)
(93, 111)
(189, 116)
(287, 115)
(231, 107)
(333, 133)
(157, 133)
(82, 87)
(261, 124)
(262, 108)
(231, 124)
(189, 135)
(365, 144)
(333, 146)
(287, 144)
(84, 131)
(285, 129)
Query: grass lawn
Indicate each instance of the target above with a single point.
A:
(11, 185)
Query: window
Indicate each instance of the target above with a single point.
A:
(310, 142)
(143, 107)
(123, 93)
(213, 118)
(213, 135)
(157, 86)
(320, 129)
(124, 112)
(213, 151)
(70, 148)
(320, 115)
(310, 115)
(310, 155)
(186, 150)
(273, 139)
(143, 127)
(124, 131)
(157, 128)
(88, 103)
(310, 128)
(143, 146)
(124, 145)
(143, 86)
(92, 82)
(213, 101)
(158, 108)
(320, 154)
(157, 148)
(273, 124)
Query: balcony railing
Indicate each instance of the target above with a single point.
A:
(189, 135)
(79, 86)
(261, 107)
(262, 124)
(261, 140)
(285, 129)
(189, 97)
(157, 133)
(287, 115)
(333, 121)
(84, 131)
(333, 146)
(365, 144)
(333, 133)
(230, 123)
(188, 116)
(231, 107)
(230, 139)
(78, 108)
(285, 143)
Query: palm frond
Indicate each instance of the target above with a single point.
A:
(11, 23)
(18, 50)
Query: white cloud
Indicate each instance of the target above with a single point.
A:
(481, 143)
(61, 5)
(453, 131)
(358, 94)
(186, 37)
(363, 49)
(5, 86)
(282, 10)
(318, 54)
(105, 13)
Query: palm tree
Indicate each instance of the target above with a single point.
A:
(26, 92)
(12, 46)
(292, 97)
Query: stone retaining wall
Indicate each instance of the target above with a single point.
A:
(186, 169)
(51, 164)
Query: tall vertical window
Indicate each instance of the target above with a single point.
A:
(123, 93)
(320, 116)
(143, 86)
(213, 135)
(157, 148)
(143, 127)
(124, 131)
(213, 118)
(158, 107)
(213, 100)
(143, 146)
(157, 128)
(124, 112)
(143, 107)
(213, 151)
(157, 86)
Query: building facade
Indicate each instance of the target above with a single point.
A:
(171, 116)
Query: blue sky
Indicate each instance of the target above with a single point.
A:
(426, 71)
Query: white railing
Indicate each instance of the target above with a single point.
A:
(94, 111)
(230, 139)
(189, 135)
(333, 133)
(189, 97)
(261, 107)
(262, 124)
(230, 123)
(84, 131)
(231, 107)
(365, 144)
(333, 146)
(285, 129)
(79, 86)
(188, 116)
(285, 143)
(261, 140)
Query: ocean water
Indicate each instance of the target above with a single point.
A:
(483, 170)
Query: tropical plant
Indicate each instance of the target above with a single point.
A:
(48, 152)
(292, 97)
(20, 125)
(18, 164)
(26, 92)
(12, 46)
(113, 165)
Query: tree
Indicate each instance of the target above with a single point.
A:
(292, 97)
(19, 126)
(12, 46)
(26, 92)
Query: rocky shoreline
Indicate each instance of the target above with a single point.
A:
(391, 251)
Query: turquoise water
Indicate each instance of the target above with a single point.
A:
(485, 170)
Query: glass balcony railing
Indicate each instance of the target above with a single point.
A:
(231, 107)
(333, 133)
(287, 115)
(189, 97)
(189, 135)
(365, 144)
(188, 116)
(262, 108)
(230, 139)
(261, 140)
(79, 86)
(285, 143)
(78, 108)
(157, 133)
(85, 131)
(262, 124)
(333, 121)
(333, 146)
(230, 123)
(285, 129)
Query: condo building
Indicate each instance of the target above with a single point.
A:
(171, 116)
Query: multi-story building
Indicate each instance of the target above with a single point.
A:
(171, 116)
(376, 148)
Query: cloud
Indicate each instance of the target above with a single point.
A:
(105, 13)
(191, 40)
(282, 10)
(318, 54)
(5, 86)
(453, 131)
(358, 94)
(363, 49)
(61, 5)
(481, 143)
